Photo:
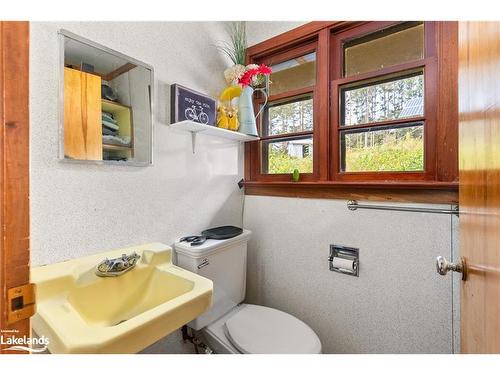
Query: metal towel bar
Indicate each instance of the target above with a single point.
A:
(354, 205)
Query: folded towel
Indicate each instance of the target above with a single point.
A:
(110, 125)
(106, 113)
(115, 140)
(107, 131)
(108, 117)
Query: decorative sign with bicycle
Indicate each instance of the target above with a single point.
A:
(187, 104)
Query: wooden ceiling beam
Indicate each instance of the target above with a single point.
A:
(119, 71)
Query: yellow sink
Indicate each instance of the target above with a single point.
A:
(80, 312)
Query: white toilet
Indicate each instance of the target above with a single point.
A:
(231, 327)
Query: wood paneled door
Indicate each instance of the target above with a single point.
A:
(15, 306)
(479, 192)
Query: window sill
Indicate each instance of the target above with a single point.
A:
(395, 191)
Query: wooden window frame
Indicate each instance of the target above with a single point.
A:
(437, 184)
(429, 67)
(273, 59)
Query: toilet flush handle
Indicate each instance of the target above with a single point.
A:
(205, 262)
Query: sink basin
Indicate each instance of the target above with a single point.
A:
(80, 312)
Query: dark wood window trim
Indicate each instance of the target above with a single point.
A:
(428, 65)
(439, 183)
(312, 91)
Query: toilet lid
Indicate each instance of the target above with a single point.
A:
(262, 330)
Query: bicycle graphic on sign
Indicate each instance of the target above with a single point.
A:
(196, 114)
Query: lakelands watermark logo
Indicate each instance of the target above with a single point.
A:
(23, 344)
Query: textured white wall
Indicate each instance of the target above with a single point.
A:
(80, 209)
(258, 31)
(398, 304)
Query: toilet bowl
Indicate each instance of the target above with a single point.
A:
(253, 329)
(230, 326)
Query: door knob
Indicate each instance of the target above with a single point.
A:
(443, 266)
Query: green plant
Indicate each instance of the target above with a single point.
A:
(406, 155)
(235, 49)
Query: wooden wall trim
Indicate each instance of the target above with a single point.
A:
(118, 71)
(447, 111)
(14, 167)
(431, 194)
(296, 36)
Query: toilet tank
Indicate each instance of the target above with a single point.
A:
(225, 263)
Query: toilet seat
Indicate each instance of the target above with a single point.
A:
(263, 330)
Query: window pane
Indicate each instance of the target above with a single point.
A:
(283, 156)
(393, 99)
(292, 116)
(392, 46)
(383, 149)
(293, 74)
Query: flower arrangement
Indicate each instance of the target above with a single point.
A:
(233, 74)
(252, 75)
(235, 106)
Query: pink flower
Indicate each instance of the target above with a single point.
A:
(254, 75)
(264, 69)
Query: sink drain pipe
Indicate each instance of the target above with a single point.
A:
(199, 346)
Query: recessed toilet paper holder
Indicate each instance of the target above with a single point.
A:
(344, 259)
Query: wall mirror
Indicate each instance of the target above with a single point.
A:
(106, 104)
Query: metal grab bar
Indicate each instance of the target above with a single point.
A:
(354, 205)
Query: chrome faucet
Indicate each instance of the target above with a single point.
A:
(117, 266)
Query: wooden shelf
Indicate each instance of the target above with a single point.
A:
(195, 128)
(109, 105)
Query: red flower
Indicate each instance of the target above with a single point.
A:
(264, 69)
(246, 78)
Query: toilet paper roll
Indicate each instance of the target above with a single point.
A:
(345, 264)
